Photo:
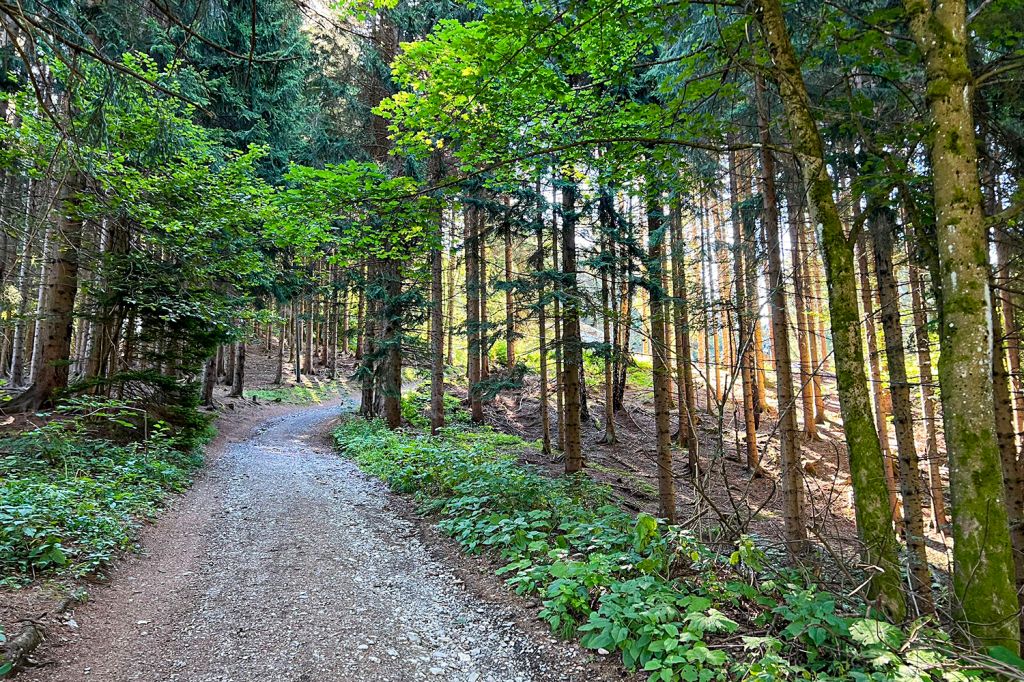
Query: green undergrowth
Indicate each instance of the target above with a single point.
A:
(73, 490)
(630, 585)
(415, 407)
(306, 393)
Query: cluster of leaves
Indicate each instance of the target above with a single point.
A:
(416, 406)
(668, 604)
(70, 499)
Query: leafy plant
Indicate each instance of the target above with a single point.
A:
(653, 594)
(70, 501)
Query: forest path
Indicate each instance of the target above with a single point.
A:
(284, 562)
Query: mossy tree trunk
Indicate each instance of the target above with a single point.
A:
(882, 224)
(983, 568)
(871, 497)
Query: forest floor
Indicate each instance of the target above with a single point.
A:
(285, 562)
(724, 501)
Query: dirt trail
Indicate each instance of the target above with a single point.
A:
(284, 562)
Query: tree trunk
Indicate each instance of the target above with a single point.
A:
(368, 350)
(238, 380)
(794, 523)
(17, 375)
(473, 313)
(794, 214)
(910, 471)
(659, 357)
(437, 322)
(485, 330)
(557, 320)
(545, 417)
(928, 402)
(391, 326)
(450, 322)
(572, 348)
(688, 416)
(874, 520)
(605, 219)
(307, 353)
(880, 398)
(361, 316)
(742, 259)
(983, 566)
(209, 381)
(61, 286)
(510, 317)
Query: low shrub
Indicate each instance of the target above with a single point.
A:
(662, 600)
(70, 500)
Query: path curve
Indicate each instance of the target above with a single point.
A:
(286, 563)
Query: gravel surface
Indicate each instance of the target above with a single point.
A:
(285, 562)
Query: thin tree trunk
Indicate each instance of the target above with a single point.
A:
(794, 211)
(910, 471)
(571, 342)
(557, 320)
(545, 417)
(879, 396)
(510, 317)
(61, 285)
(742, 258)
(659, 358)
(928, 401)
(485, 330)
(794, 523)
(688, 415)
(391, 327)
(437, 319)
(605, 220)
(238, 380)
(473, 313)
(17, 375)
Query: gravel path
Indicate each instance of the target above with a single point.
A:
(284, 562)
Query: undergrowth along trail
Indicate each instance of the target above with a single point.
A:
(667, 603)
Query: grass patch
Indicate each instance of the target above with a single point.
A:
(72, 491)
(309, 392)
(663, 601)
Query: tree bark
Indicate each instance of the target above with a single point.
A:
(473, 313)
(794, 215)
(572, 348)
(882, 224)
(874, 520)
(688, 416)
(238, 379)
(794, 523)
(510, 316)
(545, 417)
(983, 567)
(437, 321)
(880, 398)
(605, 217)
(659, 356)
(61, 287)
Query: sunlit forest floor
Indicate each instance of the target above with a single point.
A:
(724, 501)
